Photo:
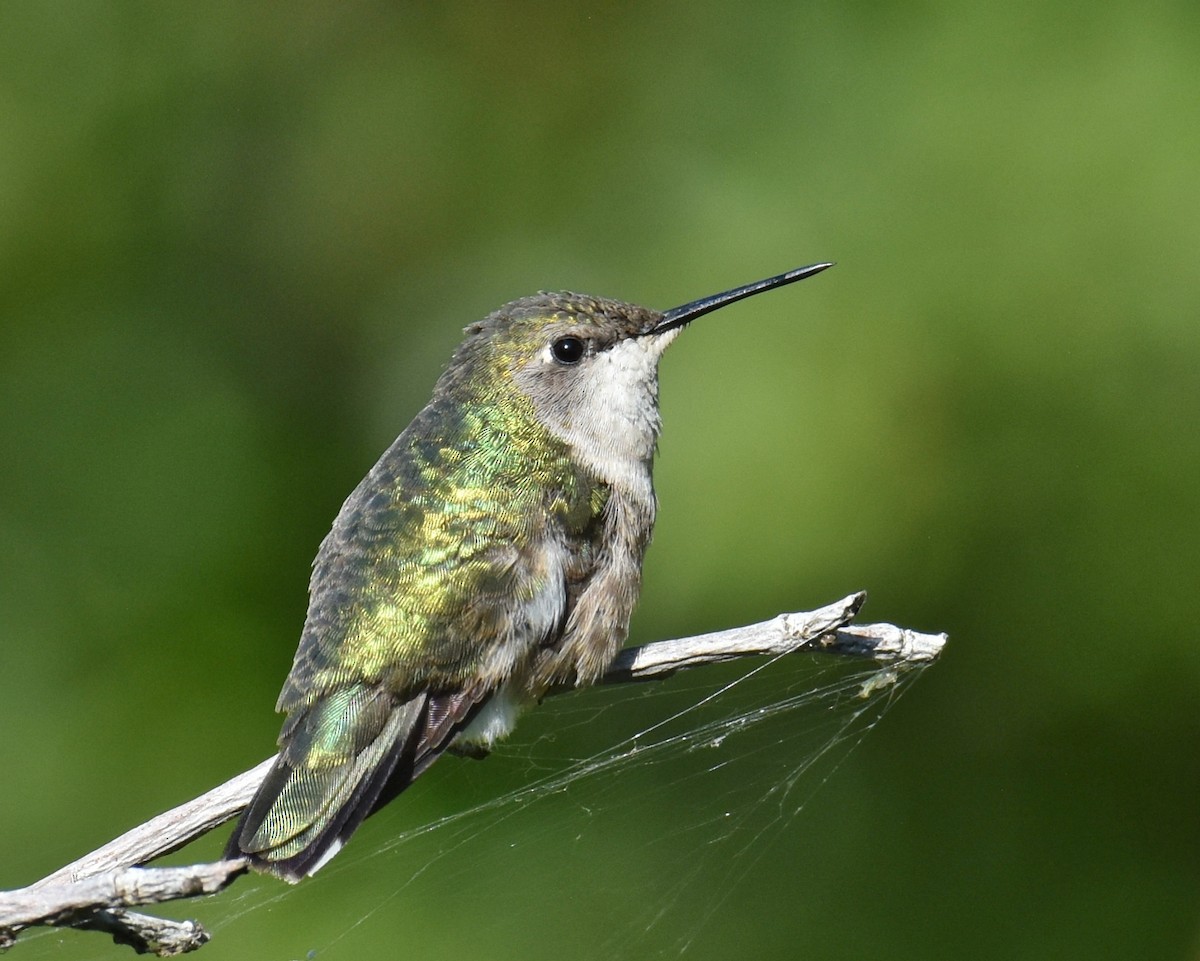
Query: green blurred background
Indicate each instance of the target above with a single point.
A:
(240, 240)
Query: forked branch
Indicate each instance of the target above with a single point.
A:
(95, 891)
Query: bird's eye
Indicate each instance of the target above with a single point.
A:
(568, 350)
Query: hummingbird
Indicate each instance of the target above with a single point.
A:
(494, 552)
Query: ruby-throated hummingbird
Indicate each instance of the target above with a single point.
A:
(494, 551)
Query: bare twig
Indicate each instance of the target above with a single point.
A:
(94, 891)
(827, 629)
(97, 903)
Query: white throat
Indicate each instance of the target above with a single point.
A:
(609, 413)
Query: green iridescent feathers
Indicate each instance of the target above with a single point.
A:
(328, 759)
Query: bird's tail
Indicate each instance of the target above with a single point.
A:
(341, 759)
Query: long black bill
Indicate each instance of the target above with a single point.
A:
(678, 316)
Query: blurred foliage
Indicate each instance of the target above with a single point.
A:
(240, 240)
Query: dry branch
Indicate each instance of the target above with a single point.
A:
(94, 891)
(97, 903)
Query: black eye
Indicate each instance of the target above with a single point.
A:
(568, 350)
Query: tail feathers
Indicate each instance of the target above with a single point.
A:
(343, 758)
(332, 769)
